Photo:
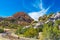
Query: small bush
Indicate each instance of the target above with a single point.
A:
(31, 32)
(1, 30)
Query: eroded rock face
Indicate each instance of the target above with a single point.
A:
(20, 18)
(57, 16)
(23, 17)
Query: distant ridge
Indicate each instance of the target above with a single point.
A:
(20, 18)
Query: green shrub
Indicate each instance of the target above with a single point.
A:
(51, 32)
(1, 30)
(19, 30)
(31, 32)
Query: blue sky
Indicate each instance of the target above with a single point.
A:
(34, 8)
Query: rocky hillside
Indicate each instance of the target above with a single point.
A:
(23, 17)
(20, 18)
(46, 19)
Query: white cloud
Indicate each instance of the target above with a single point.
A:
(41, 5)
(36, 15)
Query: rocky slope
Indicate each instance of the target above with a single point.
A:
(52, 18)
(20, 18)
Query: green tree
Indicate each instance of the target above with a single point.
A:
(31, 32)
(18, 31)
(1, 30)
(57, 22)
(51, 32)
